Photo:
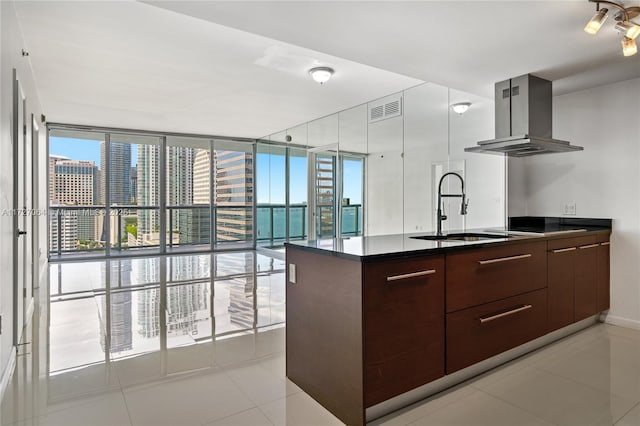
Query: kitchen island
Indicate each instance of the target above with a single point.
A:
(376, 323)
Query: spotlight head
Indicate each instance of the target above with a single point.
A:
(629, 47)
(594, 25)
(629, 29)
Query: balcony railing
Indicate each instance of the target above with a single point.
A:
(75, 229)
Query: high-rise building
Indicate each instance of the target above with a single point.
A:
(187, 184)
(53, 159)
(179, 192)
(148, 193)
(119, 173)
(195, 228)
(63, 230)
(133, 186)
(74, 182)
(233, 195)
(202, 177)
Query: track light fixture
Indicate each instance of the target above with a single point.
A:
(629, 30)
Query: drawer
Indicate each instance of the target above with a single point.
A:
(485, 275)
(481, 332)
(403, 326)
(565, 243)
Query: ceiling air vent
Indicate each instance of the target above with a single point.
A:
(377, 112)
(388, 107)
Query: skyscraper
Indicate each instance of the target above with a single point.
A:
(133, 178)
(53, 159)
(119, 173)
(233, 195)
(74, 182)
(148, 193)
(179, 191)
(196, 229)
(187, 184)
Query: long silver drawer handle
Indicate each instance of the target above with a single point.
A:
(504, 259)
(564, 249)
(606, 243)
(588, 246)
(504, 314)
(411, 275)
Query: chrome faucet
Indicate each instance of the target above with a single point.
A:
(463, 205)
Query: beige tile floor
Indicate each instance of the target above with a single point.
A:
(589, 378)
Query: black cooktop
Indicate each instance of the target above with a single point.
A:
(545, 224)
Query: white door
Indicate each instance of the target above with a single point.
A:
(21, 263)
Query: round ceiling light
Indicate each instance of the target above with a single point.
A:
(461, 107)
(321, 74)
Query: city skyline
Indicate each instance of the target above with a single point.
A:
(270, 170)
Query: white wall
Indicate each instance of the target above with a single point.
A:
(484, 174)
(12, 45)
(603, 180)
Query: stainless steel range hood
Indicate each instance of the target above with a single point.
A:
(523, 120)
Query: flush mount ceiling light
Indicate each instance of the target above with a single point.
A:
(630, 30)
(321, 74)
(460, 107)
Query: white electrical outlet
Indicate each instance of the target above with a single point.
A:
(569, 209)
(292, 273)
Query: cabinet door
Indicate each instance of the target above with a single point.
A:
(403, 326)
(560, 280)
(603, 267)
(586, 260)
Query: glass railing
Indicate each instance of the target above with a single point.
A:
(271, 221)
(83, 229)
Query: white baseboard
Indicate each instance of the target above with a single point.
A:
(622, 322)
(8, 372)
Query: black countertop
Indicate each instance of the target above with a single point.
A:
(402, 245)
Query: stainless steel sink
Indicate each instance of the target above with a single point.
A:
(462, 236)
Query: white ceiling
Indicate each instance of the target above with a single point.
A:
(239, 68)
(467, 45)
(133, 65)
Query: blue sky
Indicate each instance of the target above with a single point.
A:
(270, 170)
(82, 149)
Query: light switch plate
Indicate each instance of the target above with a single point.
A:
(292, 273)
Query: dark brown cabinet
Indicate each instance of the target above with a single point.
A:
(496, 300)
(603, 268)
(578, 279)
(484, 275)
(363, 330)
(483, 331)
(403, 326)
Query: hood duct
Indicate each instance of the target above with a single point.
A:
(523, 120)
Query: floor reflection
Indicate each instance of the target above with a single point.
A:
(102, 311)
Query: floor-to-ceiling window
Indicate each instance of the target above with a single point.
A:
(298, 225)
(188, 188)
(77, 205)
(116, 193)
(233, 172)
(119, 193)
